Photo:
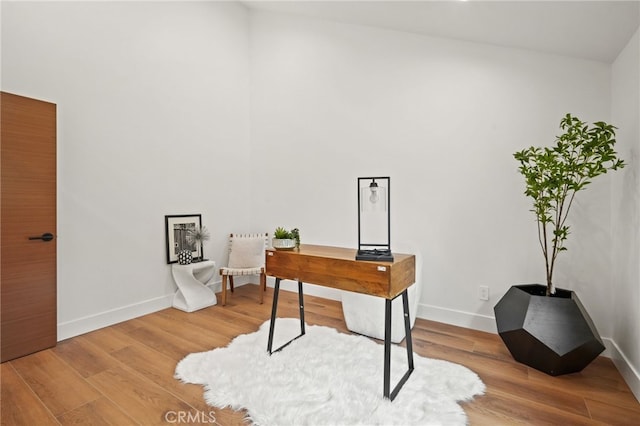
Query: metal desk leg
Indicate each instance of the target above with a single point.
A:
(407, 330)
(387, 347)
(301, 304)
(274, 309)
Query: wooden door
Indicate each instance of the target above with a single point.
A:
(28, 306)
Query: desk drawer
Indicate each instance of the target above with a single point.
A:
(383, 279)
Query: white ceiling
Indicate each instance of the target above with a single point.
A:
(596, 30)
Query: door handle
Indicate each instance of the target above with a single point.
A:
(48, 236)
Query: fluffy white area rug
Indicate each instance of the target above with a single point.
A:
(327, 378)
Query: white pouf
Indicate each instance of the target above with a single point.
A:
(364, 314)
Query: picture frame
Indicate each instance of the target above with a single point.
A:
(176, 229)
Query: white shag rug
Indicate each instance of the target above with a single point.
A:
(327, 378)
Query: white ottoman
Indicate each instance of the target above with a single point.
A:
(364, 314)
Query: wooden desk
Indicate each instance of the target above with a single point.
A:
(336, 267)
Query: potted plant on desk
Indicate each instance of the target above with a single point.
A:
(544, 327)
(286, 240)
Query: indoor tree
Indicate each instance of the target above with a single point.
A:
(554, 175)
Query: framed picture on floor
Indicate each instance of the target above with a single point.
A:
(177, 228)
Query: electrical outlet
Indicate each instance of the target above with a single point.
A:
(483, 292)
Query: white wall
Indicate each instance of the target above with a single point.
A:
(331, 102)
(626, 214)
(153, 103)
(152, 114)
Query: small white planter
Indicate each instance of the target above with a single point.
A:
(283, 244)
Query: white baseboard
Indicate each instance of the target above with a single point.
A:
(100, 320)
(630, 374)
(488, 324)
(477, 322)
(458, 318)
(89, 323)
(429, 312)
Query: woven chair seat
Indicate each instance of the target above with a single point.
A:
(240, 271)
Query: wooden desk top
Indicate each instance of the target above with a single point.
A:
(336, 267)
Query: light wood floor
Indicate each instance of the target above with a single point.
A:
(123, 374)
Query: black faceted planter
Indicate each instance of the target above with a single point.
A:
(553, 334)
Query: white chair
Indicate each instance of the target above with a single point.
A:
(364, 314)
(246, 257)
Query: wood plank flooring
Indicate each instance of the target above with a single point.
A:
(123, 374)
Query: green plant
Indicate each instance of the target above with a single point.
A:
(295, 233)
(282, 233)
(554, 175)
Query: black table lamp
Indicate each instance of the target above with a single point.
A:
(374, 219)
